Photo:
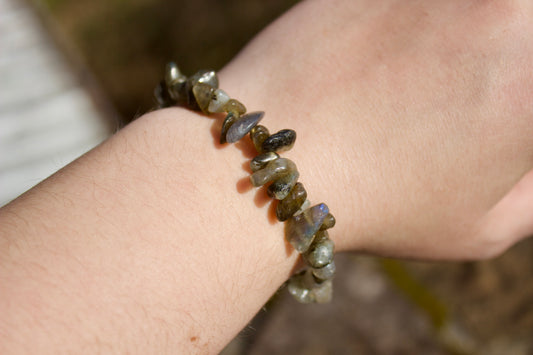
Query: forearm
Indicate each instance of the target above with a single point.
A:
(153, 240)
(157, 240)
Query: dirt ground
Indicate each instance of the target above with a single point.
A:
(384, 306)
(381, 306)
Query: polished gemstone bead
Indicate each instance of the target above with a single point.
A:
(323, 292)
(326, 272)
(235, 107)
(280, 141)
(281, 187)
(175, 82)
(290, 204)
(305, 289)
(162, 96)
(203, 93)
(179, 94)
(329, 222)
(298, 289)
(258, 134)
(303, 207)
(320, 253)
(260, 161)
(300, 229)
(272, 171)
(208, 77)
(228, 122)
(173, 75)
(243, 125)
(219, 99)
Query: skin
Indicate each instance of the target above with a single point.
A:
(155, 241)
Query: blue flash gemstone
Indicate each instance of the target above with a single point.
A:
(244, 125)
(301, 229)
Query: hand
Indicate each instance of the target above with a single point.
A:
(414, 124)
(419, 116)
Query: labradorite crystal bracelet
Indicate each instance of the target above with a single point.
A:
(306, 226)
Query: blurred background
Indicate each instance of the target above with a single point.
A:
(74, 71)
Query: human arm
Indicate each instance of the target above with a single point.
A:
(411, 135)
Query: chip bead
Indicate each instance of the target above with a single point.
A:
(259, 134)
(230, 119)
(218, 100)
(208, 77)
(203, 94)
(299, 290)
(243, 125)
(272, 171)
(235, 107)
(281, 187)
(300, 229)
(260, 161)
(290, 204)
(323, 292)
(173, 75)
(329, 222)
(175, 83)
(305, 289)
(326, 272)
(320, 253)
(280, 141)
(303, 207)
(162, 96)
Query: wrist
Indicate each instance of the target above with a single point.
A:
(158, 231)
(329, 151)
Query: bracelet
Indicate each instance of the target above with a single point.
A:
(306, 226)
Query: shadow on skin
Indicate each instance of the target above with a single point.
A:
(244, 184)
(215, 131)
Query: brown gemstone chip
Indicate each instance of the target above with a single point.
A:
(305, 289)
(281, 187)
(173, 76)
(290, 204)
(235, 107)
(175, 83)
(329, 222)
(162, 96)
(320, 253)
(325, 273)
(280, 141)
(259, 134)
(203, 93)
(230, 119)
(260, 161)
(272, 171)
(208, 77)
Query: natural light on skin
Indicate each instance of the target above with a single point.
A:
(409, 126)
